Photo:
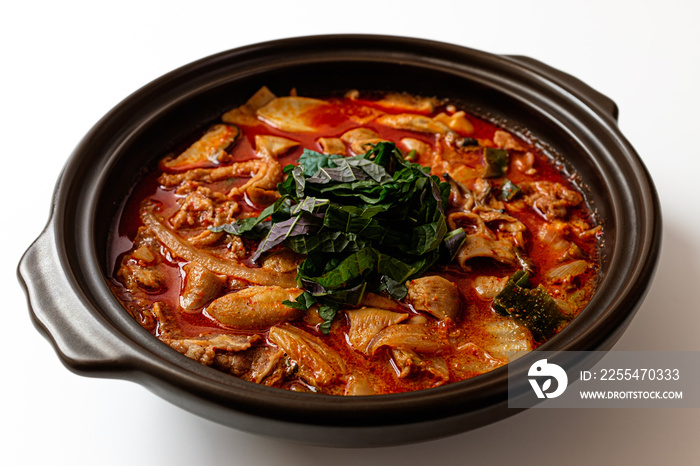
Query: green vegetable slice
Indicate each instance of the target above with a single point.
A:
(496, 162)
(508, 190)
(533, 308)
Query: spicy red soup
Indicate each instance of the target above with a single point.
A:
(354, 245)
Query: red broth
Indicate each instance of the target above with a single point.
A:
(548, 227)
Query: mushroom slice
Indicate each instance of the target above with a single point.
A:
(434, 295)
(255, 307)
(412, 122)
(318, 364)
(365, 323)
(479, 246)
(360, 139)
(245, 114)
(505, 225)
(291, 114)
(208, 149)
(480, 240)
(201, 286)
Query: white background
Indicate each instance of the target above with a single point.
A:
(65, 64)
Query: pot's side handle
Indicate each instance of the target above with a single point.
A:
(602, 104)
(84, 344)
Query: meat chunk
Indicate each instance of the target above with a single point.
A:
(434, 295)
(264, 173)
(139, 271)
(166, 326)
(237, 364)
(525, 163)
(269, 173)
(201, 286)
(317, 363)
(198, 210)
(365, 323)
(549, 199)
(267, 366)
(505, 140)
(255, 307)
(148, 278)
(205, 349)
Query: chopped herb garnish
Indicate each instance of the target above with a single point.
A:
(365, 223)
(533, 308)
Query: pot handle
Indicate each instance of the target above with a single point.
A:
(600, 103)
(68, 320)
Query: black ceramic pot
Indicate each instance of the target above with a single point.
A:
(63, 271)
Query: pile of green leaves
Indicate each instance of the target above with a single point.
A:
(365, 223)
(534, 308)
